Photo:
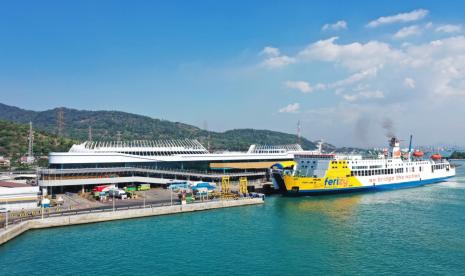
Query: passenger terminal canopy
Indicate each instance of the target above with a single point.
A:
(143, 147)
(169, 147)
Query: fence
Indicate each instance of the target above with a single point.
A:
(17, 217)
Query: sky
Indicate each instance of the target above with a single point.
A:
(350, 71)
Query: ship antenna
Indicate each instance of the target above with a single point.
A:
(410, 148)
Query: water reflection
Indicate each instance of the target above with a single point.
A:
(336, 207)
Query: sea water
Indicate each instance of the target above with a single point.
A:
(409, 231)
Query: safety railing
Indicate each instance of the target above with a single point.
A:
(18, 217)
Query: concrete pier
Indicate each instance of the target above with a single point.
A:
(91, 217)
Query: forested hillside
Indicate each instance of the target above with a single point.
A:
(106, 124)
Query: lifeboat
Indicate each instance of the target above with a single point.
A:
(418, 153)
(436, 156)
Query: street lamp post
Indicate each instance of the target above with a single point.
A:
(5, 210)
(42, 206)
(6, 214)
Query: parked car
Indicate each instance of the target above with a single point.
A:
(117, 193)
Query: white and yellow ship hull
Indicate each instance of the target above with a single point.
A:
(340, 178)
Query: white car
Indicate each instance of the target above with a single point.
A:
(117, 193)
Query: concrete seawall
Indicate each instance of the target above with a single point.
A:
(17, 229)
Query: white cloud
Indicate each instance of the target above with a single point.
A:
(377, 70)
(377, 94)
(369, 73)
(302, 86)
(290, 108)
(449, 28)
(339, 85)
(401, 17)
(355, 56)
(376, 76)
(274, 59)
(409, 83)
(408, 31)
(270, 51)
(340, 25)
(277, 62)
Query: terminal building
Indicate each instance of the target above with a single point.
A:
(17, 196)
(156, 162)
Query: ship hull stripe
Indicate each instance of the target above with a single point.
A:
(379, 187)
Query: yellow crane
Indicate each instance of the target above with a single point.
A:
(243, 186)
(225, 186)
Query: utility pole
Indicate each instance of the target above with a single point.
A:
(90, 133)
(60, 121)
(205, 127)
(30, 153)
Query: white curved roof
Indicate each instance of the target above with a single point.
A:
(142, 147)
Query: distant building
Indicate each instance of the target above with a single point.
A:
(4, 162)
(27, 159)
(17, 196)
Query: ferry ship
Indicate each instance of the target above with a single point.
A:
(315, 173)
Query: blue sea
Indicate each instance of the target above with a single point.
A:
(409, 231)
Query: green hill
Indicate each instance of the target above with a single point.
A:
(14, 141)
(457, 155)
(106, 124)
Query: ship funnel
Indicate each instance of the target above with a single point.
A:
(394, 147)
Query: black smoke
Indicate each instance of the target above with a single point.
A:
(388, 127)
